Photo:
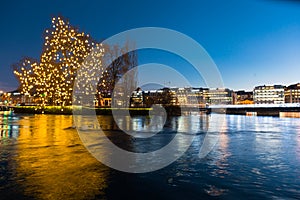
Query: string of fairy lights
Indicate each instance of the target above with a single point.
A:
(51, 80)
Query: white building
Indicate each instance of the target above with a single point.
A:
(273, 94)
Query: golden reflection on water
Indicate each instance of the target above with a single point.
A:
(53, 161)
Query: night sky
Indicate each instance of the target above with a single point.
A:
(252, 42)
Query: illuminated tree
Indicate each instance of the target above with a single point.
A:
(65, 50)
(26, 70)
(88, 76)
(52, 79)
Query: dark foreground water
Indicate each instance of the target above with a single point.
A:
(42, 157)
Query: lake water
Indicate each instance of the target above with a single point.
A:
(42, 157)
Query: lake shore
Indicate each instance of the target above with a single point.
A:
(69, 110)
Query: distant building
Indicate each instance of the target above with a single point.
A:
(15, 97)
(170, 96)
(292, 93)
(191, 96)
(137, 98)
(181, 94)
(104, 100)
(242, 97)
(274, 94)
(220, 96)
(164, 96)
(188, 96)
(198, 96)
(268, 94)
(151, 97)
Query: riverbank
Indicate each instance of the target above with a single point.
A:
(68, 110)
(171, 110)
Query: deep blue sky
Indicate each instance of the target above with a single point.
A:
(252, 42)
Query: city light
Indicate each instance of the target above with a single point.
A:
(50, 80)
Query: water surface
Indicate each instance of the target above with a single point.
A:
(42, 157)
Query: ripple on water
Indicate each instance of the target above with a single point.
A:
(214, 191)
(255, 157)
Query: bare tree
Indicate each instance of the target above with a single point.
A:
(119, 79)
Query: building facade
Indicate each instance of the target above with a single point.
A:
(137, 98)
(220, 96)
(292, 93)
(243, 97)
(191, 96)
(184, 97)
(273, 94)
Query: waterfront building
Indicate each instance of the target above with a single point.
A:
(15, 97)
(171, 96)
(181, 94)
(164, 96)
(220, 96)
(104, 99)
(273, 94)
(185, 97)
(189, 96)
(292, 93)
(137, 98)
(198, 96)
(243, 97)
(104, 102)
